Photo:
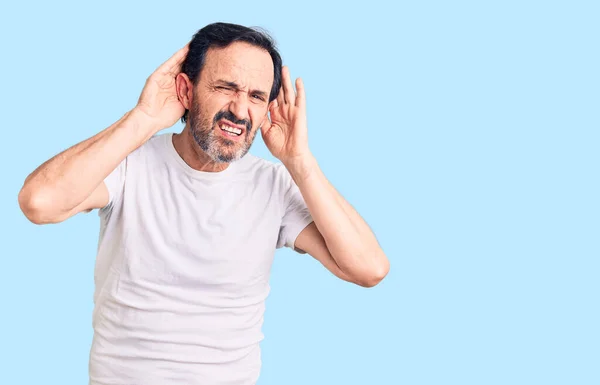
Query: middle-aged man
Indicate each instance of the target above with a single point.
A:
(190, 221)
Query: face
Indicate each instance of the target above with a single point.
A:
(230, 101)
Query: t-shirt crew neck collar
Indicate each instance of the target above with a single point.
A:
(206, 175)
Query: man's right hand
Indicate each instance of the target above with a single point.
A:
(72, 181)
(158, 100)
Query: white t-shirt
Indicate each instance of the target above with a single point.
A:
(183, 265)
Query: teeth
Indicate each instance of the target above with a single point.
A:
(233, 130)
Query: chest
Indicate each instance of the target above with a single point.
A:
(184, 231)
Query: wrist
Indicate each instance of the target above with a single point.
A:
(142, 122)
(301, 167)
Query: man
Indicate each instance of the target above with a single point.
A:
(190, 222)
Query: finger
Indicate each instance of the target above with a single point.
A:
(273, 109)
(264, 128)
(173, 64)
(301, 97)
(280, 100)
(179, 57)
(288, 90)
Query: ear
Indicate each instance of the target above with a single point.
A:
(270, 106)
(185, 89)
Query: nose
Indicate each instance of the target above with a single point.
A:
(239, 107)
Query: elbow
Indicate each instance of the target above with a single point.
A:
(372, 276)
(35, 206)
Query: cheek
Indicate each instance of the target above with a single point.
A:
(211, 103)
(258, 115)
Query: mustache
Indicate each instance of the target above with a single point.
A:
(232, 118)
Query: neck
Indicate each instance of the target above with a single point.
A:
(193, 155)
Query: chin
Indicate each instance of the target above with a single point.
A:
(227, 156)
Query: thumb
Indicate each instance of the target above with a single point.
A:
(266, 126)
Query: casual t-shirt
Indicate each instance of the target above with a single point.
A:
(183, 264)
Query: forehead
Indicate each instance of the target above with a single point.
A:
(240, 62)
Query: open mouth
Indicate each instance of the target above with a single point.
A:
(230, 130)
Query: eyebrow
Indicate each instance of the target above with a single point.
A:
(237, 87)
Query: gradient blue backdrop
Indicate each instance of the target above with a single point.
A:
(466, 133)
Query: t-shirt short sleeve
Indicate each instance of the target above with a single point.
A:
(115, 181)
(296, 215)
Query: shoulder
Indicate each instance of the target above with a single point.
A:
(254, 165)
(265, 171)
(156, 144)
(154, 148)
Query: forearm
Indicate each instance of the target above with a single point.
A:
(349, 239)
(67, 179)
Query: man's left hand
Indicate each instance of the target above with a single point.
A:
(286, 132)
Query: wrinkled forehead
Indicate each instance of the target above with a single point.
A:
(248, 66)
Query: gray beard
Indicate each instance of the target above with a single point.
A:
(217, 148)
(209, 143)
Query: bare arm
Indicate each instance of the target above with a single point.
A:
(339, 237)
(72, 181)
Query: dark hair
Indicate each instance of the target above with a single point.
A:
(221, 35)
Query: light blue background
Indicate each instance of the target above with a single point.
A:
(466, 133)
